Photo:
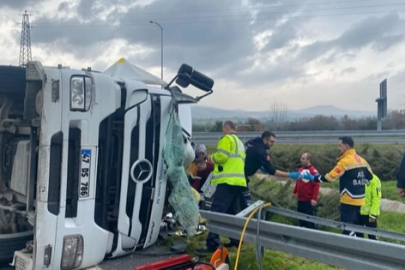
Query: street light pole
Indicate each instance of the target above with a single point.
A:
(161, 48)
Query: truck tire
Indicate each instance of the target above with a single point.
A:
(12, 242)
(12, 80)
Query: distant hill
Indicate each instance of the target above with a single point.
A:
(204, 112)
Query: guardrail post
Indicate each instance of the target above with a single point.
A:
(259, 248)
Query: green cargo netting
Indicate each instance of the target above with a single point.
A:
(181, 197)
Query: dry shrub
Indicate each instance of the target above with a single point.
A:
(383, 159)
(279, 193)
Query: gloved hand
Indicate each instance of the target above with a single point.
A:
(305, 174)
(294, 175)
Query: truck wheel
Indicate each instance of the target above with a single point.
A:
(12, 80)
(12, 242)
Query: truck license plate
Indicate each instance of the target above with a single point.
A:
(85, 174)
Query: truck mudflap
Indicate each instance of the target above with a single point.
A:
(11, 242)
(23, 261)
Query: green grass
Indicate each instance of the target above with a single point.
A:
(272, 260)
(276, 260)
(388, 189)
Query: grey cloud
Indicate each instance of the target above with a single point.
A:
(375, 31)
(193, 37)
(314, 50)
(279, 73)
(367, 31)
(85, 8)
(347, 71)
(377, 77)
(19, 4)
(387, 42)
(271, 11)
(77, 37)
(398, 77)
(64, 6)
(219, 41)
(334, 56)
(282, 36)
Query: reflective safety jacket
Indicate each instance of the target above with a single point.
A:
(371, 207)
(354, 173)
(229, 162)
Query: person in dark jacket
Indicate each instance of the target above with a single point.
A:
(257, 157)
(401, 177)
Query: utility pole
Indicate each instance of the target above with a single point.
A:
(161, 48)
(25, 43)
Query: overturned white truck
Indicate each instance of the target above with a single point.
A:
(82, 175)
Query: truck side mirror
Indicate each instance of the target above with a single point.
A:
(187, 75)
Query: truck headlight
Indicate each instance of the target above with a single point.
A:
(80, 93)
(72, 254)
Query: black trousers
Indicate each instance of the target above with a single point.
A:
(305, 207)
(244, 198)
(350, 214)
(364, 221)
(226, 200)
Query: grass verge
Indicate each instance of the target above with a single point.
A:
(280, 195)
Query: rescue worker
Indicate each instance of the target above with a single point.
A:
(258, 158)
(354, 173)
(307, 192)
(401, 177)
(371, 209)
(228, 175)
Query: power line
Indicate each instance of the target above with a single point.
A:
(243, 8)
(275, 12)
(142, 23)
(251, 8)
(141, 12)
(266, 13)
(176, 21)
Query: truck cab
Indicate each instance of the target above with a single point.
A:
(82, 174)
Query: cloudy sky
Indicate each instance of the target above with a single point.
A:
(299, 52)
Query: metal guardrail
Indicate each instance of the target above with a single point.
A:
(336, 224)
(331, 248)
(319, 137)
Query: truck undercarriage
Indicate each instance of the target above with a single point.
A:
(16, 139)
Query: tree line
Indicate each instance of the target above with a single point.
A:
(394, 120)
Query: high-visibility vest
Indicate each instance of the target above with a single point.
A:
(229, 162)
(372, 203)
